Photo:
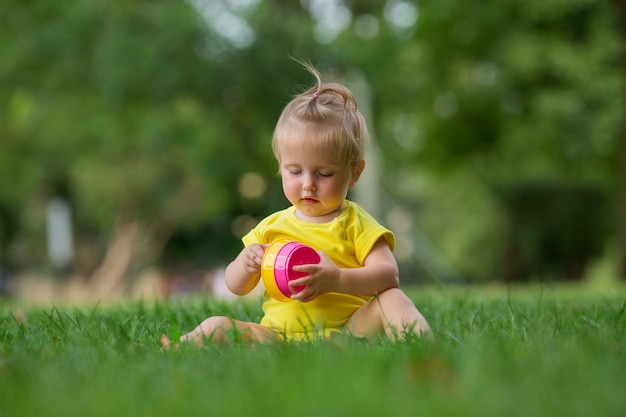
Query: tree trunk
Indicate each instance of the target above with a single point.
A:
(106, 282)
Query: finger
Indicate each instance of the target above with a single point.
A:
(310, 268)
(256, 256)
(300, 282)
(258, 251)
(304, 296)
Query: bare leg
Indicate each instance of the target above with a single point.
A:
(217, 328)
(392, 313)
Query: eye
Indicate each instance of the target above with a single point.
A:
(294, 171)
(325, 174)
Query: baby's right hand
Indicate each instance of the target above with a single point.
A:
(252, 257)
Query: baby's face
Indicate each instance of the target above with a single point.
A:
(314, 180)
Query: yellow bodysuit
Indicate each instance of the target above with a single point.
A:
(347, 240)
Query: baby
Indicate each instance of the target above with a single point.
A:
(319, 143)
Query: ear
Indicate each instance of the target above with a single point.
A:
(356, 172)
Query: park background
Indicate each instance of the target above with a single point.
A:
(135, 136)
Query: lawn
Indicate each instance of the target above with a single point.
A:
(499, 351)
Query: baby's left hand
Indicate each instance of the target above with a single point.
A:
(322, 278)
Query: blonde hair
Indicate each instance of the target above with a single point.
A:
(328, 115)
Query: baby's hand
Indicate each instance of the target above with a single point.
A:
(252, 256)
(322, 278)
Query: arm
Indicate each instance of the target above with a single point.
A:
(243, 274)
(378, 273)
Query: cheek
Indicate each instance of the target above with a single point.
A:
(289, 185)
(337, 189)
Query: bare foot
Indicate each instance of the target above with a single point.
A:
(166, 343)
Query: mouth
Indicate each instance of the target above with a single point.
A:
(309, 200)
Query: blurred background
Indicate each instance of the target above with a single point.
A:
(135, 136)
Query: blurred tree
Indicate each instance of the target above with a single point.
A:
(125, 103)
(151, 113)
(520, 93)
(512, 94)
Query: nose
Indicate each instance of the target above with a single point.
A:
(308, 183)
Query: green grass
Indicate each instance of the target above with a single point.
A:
(534, 351)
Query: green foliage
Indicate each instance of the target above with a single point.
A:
(535, 351)
(515, 93)
(112, 106)
(147, 112)
(529, 88)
